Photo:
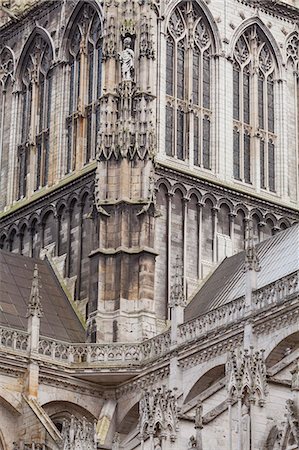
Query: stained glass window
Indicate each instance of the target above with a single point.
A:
(253, 97)
(236, 151)
(169, 130)
(189, 40)
(36, 116)
(86, 33)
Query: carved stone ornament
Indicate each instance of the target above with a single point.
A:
(246, 373)
(12, 8)
(290, 434)
(293, 50)
(295, 376)
(126, 58)
(34, 305)
(131, 135)
(109, 45)
(6, 67)
(78, 434)
(192, 443)
(158, 413)
(146, 41)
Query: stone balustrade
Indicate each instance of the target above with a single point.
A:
(135, 354)
(276, 292)
(15, 340)
(219, 317)
(114, 353)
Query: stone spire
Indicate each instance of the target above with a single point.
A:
(34, 305)
(34, 313)
(251, 268)
(177, 296)
(251, 258)
(177, 301)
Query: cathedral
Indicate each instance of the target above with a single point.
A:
(149, 224)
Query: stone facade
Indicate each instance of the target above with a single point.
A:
(139, 139)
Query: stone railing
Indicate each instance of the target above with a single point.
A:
(235, 310)
(114, 354)
(14, 339)
(135, 354)
(276, 292)
(224, 315)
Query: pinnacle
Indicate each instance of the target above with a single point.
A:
(34, 305)
(251, 257)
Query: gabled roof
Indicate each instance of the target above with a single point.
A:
(278, 257)
(59, 320)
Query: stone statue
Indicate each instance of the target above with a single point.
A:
(192, 443)
(157, 444)
(245, 427)
(126, 58)
(198, 416)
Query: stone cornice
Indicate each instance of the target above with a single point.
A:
(29, 17)
(275, 8)
(225, 190)
(45, 197)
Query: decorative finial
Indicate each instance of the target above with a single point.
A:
(177, 296)
(34, 305)
(251, 258)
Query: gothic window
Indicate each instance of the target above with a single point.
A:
(36, 84)
(188, 83)
(253, 108)
(6, 82)
(85, 77)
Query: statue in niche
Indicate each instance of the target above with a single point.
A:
(245, 425)
(126, 58)
(157, 444)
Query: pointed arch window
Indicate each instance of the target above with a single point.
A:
(6, 84)
(85, 88)
(253, 108)
(188, 85)
(36, 92)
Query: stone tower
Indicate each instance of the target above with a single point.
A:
(123, 265)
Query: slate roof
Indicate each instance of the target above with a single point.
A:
(59, 320)
(278, 256)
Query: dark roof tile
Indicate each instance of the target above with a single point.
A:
(59, 320)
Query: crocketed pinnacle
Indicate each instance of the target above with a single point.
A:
(34, 305)
(251, 258)
(177, 297)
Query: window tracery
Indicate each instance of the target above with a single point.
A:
(36, 91)
(6, 84)
(253, 108)
(85, 63)
(188, 85)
